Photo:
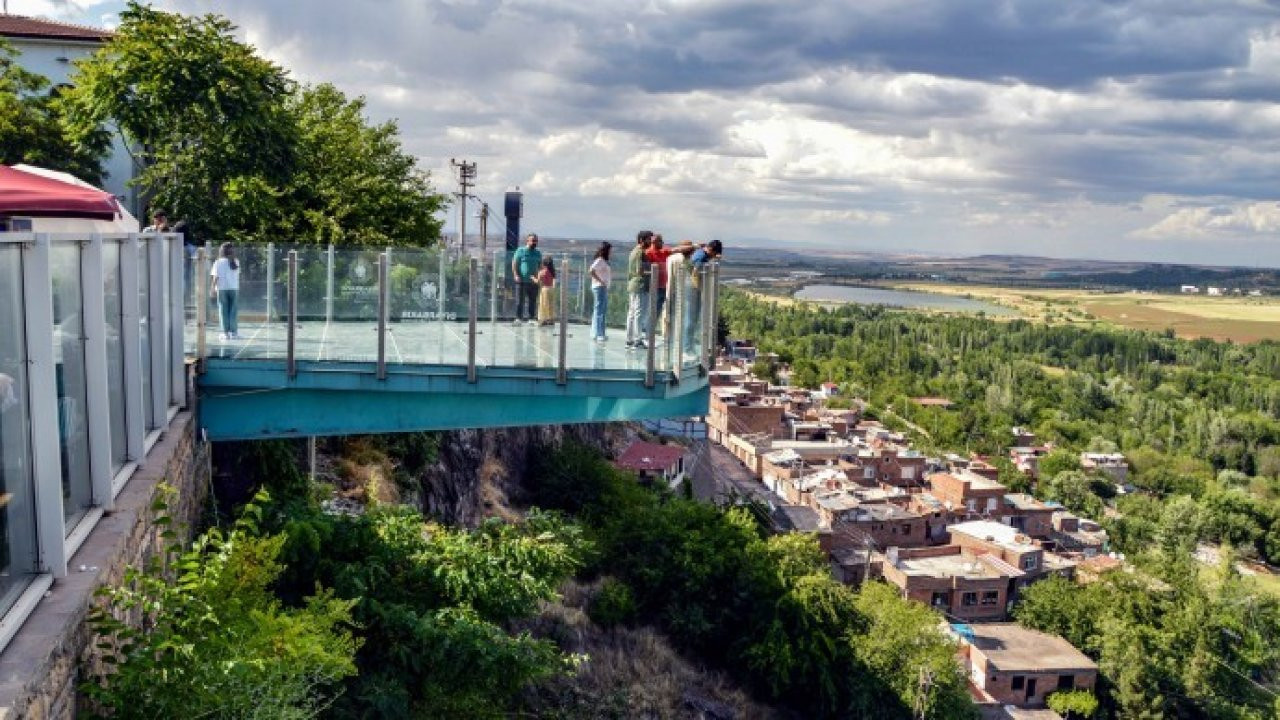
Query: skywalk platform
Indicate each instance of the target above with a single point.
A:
(432, 367)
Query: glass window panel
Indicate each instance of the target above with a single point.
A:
(115, 353)
(68, 353)
(17, 516)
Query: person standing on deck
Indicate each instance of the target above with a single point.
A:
(226, 287)
(524, 268)
(546, 296)
(638, 291)
(657, 255)
(601, 276)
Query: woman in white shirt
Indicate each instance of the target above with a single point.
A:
(225, 287)
(601, 276)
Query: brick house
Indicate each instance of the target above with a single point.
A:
(887, 465)
(854, 522)
(952, 579)
(964, 491)
(1008, 664)
(1026, 514)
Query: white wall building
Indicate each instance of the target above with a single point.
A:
(48, 48)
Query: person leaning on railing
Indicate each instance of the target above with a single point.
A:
(699, 263)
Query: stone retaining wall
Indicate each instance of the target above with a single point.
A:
(40, 669)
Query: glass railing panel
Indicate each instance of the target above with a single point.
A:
(350, 334)
(70, 379)
(17, 517)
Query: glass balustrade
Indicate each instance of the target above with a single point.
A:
(429, 307)
(87, 360)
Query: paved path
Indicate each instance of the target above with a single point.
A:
(725, 475)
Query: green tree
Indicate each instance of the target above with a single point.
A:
(203, 112)
(353, 183)
(1073, 703)
(1058, 461)
(33, 129)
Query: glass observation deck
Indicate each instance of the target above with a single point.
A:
(430, 340)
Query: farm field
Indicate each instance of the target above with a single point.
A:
(1239, 319)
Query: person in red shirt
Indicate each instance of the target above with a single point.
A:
(657, 255)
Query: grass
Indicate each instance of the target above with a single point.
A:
(1239, 319)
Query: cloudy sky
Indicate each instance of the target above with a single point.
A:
(1119, 129)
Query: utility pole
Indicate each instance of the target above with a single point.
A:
(466, 178)
(484, 227)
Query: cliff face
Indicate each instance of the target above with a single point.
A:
(481, 473)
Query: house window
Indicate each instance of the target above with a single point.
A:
(869, 473)
(969, 599)
(1029, 562)
(990, 597)
(906, 529)
(972, 505)
(1016, 683)
(1066, 682)
(991, 504)
(940, 599)
(908, 473)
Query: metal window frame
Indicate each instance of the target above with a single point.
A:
(46, 460)
(131, 344)
(177, 323)
(97, 400)
(157, 266)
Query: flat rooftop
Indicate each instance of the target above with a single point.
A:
(954, 565)
(998, 532)
(1013, 648)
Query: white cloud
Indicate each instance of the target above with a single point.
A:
(1216, 220)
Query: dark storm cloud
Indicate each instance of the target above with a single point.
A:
(1045, 42)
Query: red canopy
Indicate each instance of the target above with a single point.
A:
(24, 193)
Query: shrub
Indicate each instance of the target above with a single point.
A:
(613, 604)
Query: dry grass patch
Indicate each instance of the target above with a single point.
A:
(628, 672)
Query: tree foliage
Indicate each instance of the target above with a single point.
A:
(215, 641)
(228, 142)
(33, 129)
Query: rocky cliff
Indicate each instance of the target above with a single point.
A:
(481, 473)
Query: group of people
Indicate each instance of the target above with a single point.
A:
(535, 277)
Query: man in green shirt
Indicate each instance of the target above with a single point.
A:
(638, 291)
(524, 268)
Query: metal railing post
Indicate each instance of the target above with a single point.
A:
(271, 279)
(562, 364)
(493, 309)
(382, 316)
(652, 325)
(328, 286)
(291, 362)
(675, 314)
(202, 305)
(472, 307)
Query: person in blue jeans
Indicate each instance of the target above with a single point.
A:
(698, 262)
(601, 276)
(226, 287)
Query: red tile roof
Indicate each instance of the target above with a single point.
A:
(649, 456)
(19, 26)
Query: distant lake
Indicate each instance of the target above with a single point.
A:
(899, 298)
